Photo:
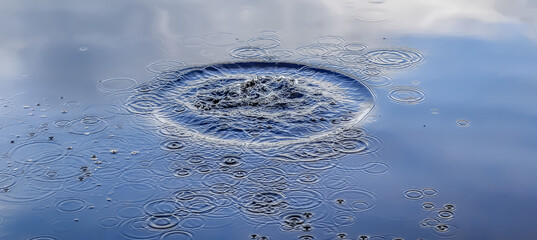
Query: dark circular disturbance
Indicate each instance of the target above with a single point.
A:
(255, 103)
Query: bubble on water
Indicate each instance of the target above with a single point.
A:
(116, 84)
(109, 222)
(71, 205)
(394, 58)
(83, 49)
(413, 194)
(463, 123)
(435, 111)
(406, 95)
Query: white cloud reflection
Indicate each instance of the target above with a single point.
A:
(31, 26)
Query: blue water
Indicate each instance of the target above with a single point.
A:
(267, 120)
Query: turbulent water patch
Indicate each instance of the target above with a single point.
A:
(255, 103)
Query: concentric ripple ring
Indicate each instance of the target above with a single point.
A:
(257, 103)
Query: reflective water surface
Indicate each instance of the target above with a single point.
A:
(268, 120)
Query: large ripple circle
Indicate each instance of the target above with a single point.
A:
(255, 103)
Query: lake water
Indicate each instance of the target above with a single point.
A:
(303, 120)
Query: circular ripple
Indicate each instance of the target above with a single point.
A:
(308, 178)
(353, 200)
(407, 95)
(109, 222)
(42, 238)
(177, 235)
(429, 191)
(445, 230)
(264, 42)
(248, 52)
(88, 125)
(463, 123)
(37, 152)
(256, 103)
(220, 39)
(6, 181)
(137, 228)
(394, 58)
(162, 207)
(163, 65)
(116, 84)
(263, 203)
(163, 221)
(371, 15)
(71, 205)
(193, 222)
(413, 194)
